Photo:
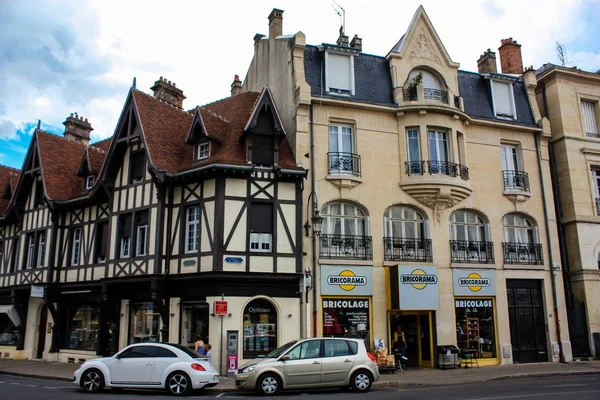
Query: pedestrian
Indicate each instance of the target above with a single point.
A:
(199, 346)
(399, 347)
(209, 353)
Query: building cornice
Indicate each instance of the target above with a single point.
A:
(568, 72)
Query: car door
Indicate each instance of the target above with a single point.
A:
(336, 362)
(303, 367)
(133, 366)
(163, 358)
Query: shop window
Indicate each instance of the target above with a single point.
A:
(192, 230)
(194, 322)
(9, 334)
(476, 327)
(101, 242)
(144, 323)
(137, 164)
(83, 328)
(261, 227)
(347, 318)
(260, 328)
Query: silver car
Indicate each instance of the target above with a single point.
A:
(311, 363)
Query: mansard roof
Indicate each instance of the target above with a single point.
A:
(8, 180)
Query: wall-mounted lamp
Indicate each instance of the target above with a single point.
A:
(307, 279)
(316, 219)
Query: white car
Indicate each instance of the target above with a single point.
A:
(148, 365)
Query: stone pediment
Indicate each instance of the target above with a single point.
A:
(423, 48)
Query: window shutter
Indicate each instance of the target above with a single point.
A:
(261, 217)
(137, 166)
(141, 217)
(338, 72)
(102, 239)
(263, 149)
(126, 225)
(502, 98)
(589, 118)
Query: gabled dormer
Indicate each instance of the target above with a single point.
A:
(85, 171)
(263, 132)
(200, 137)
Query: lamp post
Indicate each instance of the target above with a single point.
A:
(311, 281)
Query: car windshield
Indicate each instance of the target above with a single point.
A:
(280, 350)
(186, 350)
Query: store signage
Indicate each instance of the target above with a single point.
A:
(235, 260)
(195, 306)
(418, 288)
(346, 281)
(37, 291)
(472, 303)
(189, 263)
(220, 307)
(469, 282)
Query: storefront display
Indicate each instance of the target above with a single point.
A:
(194, 322)
(347, 317)
(82, 331)
(9, 334)
(260, 328)
(475, 326)
(144, 323)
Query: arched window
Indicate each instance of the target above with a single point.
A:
(470, 238)
(520, 244)
(518, 229)
(428, 80)
(345, 232)
(260, 328)
(405, 235)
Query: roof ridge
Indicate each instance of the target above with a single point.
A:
(7, 167)
(227, 98)
(214, 114)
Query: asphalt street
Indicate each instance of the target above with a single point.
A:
(585, 387)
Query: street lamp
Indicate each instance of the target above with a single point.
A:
(316, 219)
(311, 280)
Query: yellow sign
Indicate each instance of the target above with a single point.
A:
(347, 280)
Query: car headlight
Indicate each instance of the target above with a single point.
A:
(249, 368)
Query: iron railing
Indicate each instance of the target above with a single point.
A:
(415, 167)
(344, 163)
(346, 246)
(598, 206)
(593, 134)
(516, 180)
(448, 168)
(409, 93)
(466, 251)
(522, 253)
(435, 95)
(400, 249)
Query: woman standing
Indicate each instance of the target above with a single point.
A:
(199, 346)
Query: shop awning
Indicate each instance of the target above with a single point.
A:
(12, 313)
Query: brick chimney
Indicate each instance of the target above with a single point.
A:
(166, 91)
(487, 63)
(77, 129)
(275, 23)
(356, 43)
(236, 86)
(511, 61)
(342, 39)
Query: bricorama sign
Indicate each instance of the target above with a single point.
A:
(471, 282)
(418, 288)
(350, 281)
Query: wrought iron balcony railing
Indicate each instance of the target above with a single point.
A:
(401, 249)
(435, 95)
(344, 163)
(347, 247)
(522, 253)
(415, 167)
(448, 168)
(598, 206)
(409, 93)
(593, 134)
(466, 251)
(516, 180)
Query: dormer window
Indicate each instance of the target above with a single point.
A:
(339, 78)
(503, 99)
(137, 167)
(202, 151)
(89, 182)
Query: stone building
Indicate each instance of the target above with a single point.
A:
(434, 188)
(134, 238)
(569, 98)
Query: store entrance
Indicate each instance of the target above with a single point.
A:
(417, 328)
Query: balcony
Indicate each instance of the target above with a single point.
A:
(410, 94)
(435, 95)
(516, 180)
(346, 247)
(522, 253)
(466, 251)
(598, 206)
(400, 249)
(344, 164)
(437, 168)
(420, 93)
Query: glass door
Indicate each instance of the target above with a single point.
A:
(425, 345)
(438, 152)
(340, 149)
(510, 159)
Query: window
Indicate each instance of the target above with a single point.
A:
(125, 235)
(145, 323)
(14, 255)
(343, 219)
(518, 229)
(139, 352)
(101, 242)
(520, 244)
(427, 79)
(30, 260)
(403, 222)
(336, 348)
(590, 123)
(192, 231)
(438, 150)
(9, 332)
(596, 176)
(263, 149)
(503, 100)
(202, 150)
(75, 246)
(348, 319)
(475, 326)
(460, 145)
(341, 158)
(2, 257)
(194, 322)
(137, 166)
(414, 152)
(142, 240)
(339, 77)
(39, 193)
(161, 352)
(260, 328)
(469, 234)
(467, 226)
(83, 328)
(35, 251)
(41, 250)
(89, 182)
(510, 158)
(306, 350)
(261, 227)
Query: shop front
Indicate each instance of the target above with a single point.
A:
(346, 294)
(413, 301)
(475, 314)
(9, 326)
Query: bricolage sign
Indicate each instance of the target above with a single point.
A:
(474, 282)
(418, 288)
(346, 281)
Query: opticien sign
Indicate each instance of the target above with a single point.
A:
(474, 282)
(347, 280)
(418, 279)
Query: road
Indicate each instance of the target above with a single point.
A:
(583, 387)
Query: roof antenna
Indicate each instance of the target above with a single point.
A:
(342, 13)
(133, 85)
(39, 127)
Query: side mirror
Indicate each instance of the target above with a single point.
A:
(284, 358)
(118, 356)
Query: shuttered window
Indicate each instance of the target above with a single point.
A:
(141, 235)
(503, 99)
(125, 235)
(263, 149)
(137, 167)
(340, 74)
(590, 124)
(261, 226)
(101, 241)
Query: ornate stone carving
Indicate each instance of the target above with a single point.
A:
(423, 48)
(438, 204)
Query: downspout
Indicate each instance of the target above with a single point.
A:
(554, 295)
(313, 186)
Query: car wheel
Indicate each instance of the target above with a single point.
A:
(92, 381)
(268, 384)
(361, 381)
(179, 384)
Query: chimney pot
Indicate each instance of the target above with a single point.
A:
(77, 129)
(275, 23)
(511, 60)
(487, 63)
(356, 43)
(166, 91)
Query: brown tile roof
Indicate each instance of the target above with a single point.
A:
(97, 154)
(7, 174)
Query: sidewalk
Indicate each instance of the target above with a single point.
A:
(430, 377)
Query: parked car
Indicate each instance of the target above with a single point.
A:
(149, 365)
(311, 363)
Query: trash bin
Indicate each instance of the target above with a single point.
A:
(447, 356)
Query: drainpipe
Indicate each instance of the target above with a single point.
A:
(554, 295)
(313, 185)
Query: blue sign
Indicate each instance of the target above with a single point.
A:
(236, 260)
(188, 263)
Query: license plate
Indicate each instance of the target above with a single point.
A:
(216, 378)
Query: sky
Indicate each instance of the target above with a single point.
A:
(63, 56)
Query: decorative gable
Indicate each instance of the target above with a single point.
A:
(197, 130)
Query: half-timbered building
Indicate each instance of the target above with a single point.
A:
(133, 238)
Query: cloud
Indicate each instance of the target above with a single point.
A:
(7, 129)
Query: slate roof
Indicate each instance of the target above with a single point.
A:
(373, 85)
